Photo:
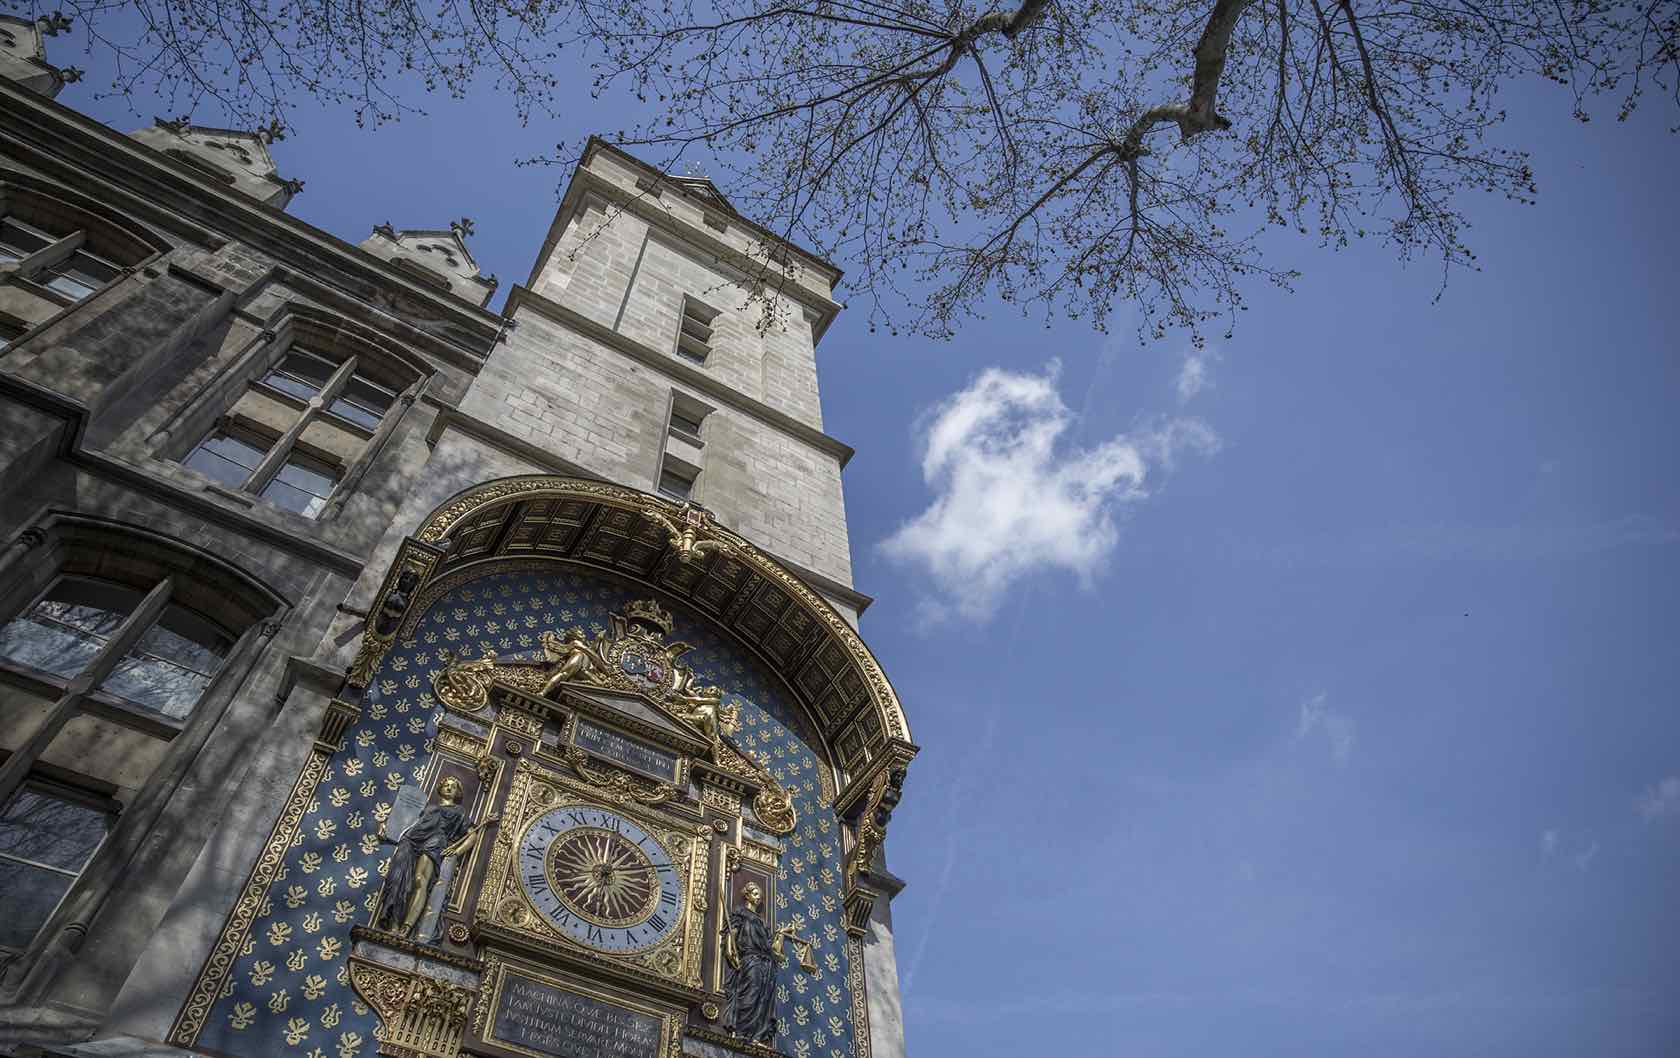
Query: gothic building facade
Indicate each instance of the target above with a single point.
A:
(383, 673)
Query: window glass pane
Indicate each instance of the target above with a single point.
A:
(63, 631)
(302, 486)
(170, 665)
(363, 402)
(27, 896)
(683, 424)
(19, 240)
(97, 271)
(675, 485)
(301, 374)
(71, 284)
(50, 830)
(226, 458)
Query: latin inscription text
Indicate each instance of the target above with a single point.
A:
(557, 1021)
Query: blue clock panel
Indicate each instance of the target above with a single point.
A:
(289, 991)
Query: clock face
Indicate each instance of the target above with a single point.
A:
(600, 879)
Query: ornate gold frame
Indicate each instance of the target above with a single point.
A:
(503, 904)
(698, 532)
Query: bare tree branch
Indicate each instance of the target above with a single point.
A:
(949, 152)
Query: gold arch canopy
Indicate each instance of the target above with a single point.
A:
(683, 552)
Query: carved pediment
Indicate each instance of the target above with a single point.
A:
(634, 674)
(639, 711)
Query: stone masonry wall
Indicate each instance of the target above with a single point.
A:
(587, 403)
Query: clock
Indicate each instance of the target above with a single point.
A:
(601, 879)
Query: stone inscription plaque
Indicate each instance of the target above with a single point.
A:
(553, 1020)
(632, 753)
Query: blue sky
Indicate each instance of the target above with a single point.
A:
(1337, 714)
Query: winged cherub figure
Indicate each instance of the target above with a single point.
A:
(704, 708)
(575, 657)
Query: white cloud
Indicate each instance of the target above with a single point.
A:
(1661, 800)
(1012, 498)
(1548, 843)
(1338, 727)
(1195, 374)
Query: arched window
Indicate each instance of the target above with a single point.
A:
(318, 400)
(59, 251)
(74, 621)
(111, 646)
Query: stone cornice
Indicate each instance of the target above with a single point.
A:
(74, 147)
(822, 264)
(522, 297)
(586, 182)
(451, 418)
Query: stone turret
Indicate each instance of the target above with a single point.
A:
(437, 257)
(240, 160)
(23, 53)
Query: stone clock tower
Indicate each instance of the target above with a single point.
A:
(602, 769)
(385, 674)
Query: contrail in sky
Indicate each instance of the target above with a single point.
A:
(988, 737)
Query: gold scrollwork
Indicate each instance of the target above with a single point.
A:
(871, 831)
(858, 986)
(772, 804)
(465, 685)
(419, 1016)
(618, 785)
(774, 809)
(722, 800)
